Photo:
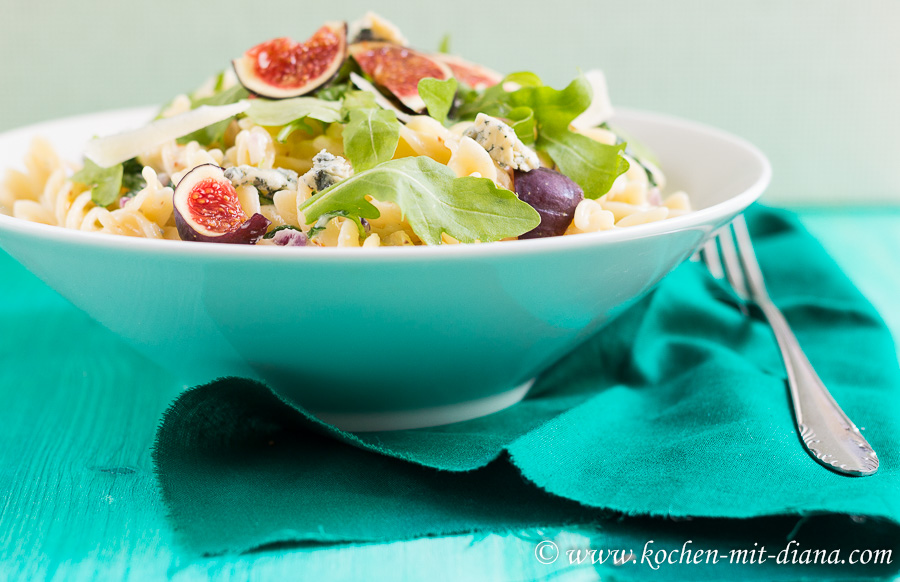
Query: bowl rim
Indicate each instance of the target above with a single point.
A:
(716, 213)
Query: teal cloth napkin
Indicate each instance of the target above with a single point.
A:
(678, 409)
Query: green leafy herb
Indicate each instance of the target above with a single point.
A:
(639, 152)
(322, 223)
(220, 82)
(222, 97)
(438, 96)
(334, 92)
(341, 84)
(590, 164)
(293, 126)
(284, 111)
(554, 108)
(371, 134)
(651, 177)
(370, 137)
(523, 123)
(444, 46)
(271, 233)
(635, 148)
(495, 100)
(358, 100)
(105, 183)
(132, 177)
(215, 133)
(432, 199)
(523, 79)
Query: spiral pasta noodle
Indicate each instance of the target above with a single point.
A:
(44, 190)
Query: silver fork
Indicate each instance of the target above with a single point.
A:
(827, 433)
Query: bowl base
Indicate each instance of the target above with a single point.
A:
(425, 417)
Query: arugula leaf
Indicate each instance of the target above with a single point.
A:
(444, 46)
(271, 233)
(494, 101)
(105, 183)
(214, 133)
(547, 112)
(438, 96)
(322, 223)
(523, 123)
(293, 126)
(552, 107)
(523, 79)
(220, 82)
(281, 112)
(225, 97)
(358, 100)
(590, 164)
(334, 92)
(341, 83)
(432, 199)
(371, 133)
(370, 137)
(635, 148)
(132, 177)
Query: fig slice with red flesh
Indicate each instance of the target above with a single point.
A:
(207, 209)
(282, 68)
(473, 75)
(398, 69)
(553, 195)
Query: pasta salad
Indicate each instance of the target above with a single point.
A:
(354, 139)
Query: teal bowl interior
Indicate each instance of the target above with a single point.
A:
(385, 338)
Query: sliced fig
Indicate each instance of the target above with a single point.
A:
(281, 68)
(207, 209)
(475, 76)
(553, 195)
(398, 69)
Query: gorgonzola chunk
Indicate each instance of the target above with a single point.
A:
(502, 143)
(266, 182)
(327, 170)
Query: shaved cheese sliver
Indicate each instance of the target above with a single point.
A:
(115, 149)
(600, 109)
(380, 99)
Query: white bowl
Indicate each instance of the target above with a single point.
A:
(385, 338)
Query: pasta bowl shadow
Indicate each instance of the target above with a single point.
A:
(382, 338)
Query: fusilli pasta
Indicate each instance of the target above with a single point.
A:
(308, 153)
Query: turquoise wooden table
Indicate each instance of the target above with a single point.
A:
(78, 497)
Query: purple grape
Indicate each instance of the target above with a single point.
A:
(553, 195)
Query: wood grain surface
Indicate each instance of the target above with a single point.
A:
(78, 498)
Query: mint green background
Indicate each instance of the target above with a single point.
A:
(814, 84)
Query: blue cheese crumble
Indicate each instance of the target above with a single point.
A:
(502, 143)
(327, 170)
(266, 182)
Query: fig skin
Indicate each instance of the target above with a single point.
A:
(553, 195)
(248, 231)
(398, 69)
(476, 76)
(248, 75)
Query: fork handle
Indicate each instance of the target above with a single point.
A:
(827, 433)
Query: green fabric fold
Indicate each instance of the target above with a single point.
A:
(676, 409)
